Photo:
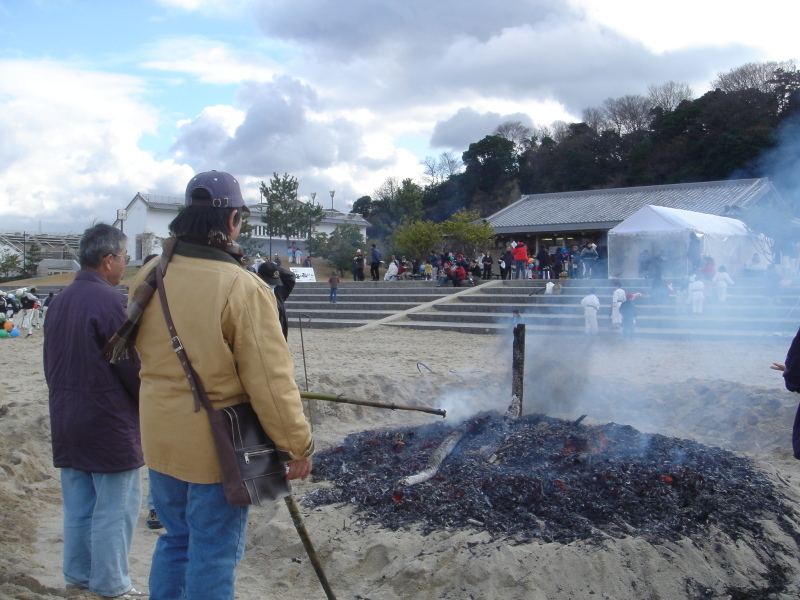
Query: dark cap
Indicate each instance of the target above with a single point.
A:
(269, 272)
(214, 188)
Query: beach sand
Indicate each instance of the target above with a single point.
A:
(718, 393)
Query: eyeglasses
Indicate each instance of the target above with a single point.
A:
(126, 258)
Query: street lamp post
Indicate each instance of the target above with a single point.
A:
(332, 192)
(313, 198)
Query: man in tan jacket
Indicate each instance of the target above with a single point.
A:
(227, 320)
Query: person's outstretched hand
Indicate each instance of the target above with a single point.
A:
(778, 367)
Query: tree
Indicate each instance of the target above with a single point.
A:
(489, 161)
(10, 263)
(467, 233)
(751, 76)
(669, 95)
(362, 206)
(514, 131)
(31, 260)
(628, 114)
(339, 248)
(286, 215)
(418, 238)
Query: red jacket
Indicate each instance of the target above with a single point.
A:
(520, 252)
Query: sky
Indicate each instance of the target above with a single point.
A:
(101, 99)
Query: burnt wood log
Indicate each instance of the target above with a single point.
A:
(437, 456)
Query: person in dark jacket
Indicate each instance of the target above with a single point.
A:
(281, 281)
(94, 418)
(791, 379)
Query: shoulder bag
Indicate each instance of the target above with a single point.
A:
(252, 473)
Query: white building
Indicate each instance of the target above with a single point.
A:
(148, 218)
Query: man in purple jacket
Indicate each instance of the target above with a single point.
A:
(94, 419)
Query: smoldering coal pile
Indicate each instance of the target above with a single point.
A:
(544, 478)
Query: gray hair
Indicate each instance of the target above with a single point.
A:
(99, 241)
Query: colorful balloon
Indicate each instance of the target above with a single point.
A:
(14, 332)
(8, 326)
(3, 333)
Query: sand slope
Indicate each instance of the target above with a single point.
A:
(715, 393)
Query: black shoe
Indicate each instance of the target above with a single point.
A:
(152, 520)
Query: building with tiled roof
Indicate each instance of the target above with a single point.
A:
(59, 252)
(569, 218)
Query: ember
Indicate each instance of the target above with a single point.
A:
(539, 477)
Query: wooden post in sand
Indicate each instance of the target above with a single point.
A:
(517, 373)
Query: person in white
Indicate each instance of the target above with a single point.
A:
(696, 291)
(617, 298)
(720, 282)
(30, 307)
(391, 272)
(590, 304)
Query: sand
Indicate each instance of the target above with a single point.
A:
(720, 394)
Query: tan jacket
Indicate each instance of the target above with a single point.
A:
(227, 320)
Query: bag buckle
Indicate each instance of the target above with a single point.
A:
(176, 344)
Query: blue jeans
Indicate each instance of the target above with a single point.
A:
(521, 266)
(204, 541)
(332, 296)
(100, 513)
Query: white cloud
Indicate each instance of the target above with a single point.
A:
(209, 61)
(70, 146)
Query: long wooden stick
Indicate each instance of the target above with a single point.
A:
(300, 525)
(391, 406)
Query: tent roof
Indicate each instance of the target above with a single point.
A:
(660, 219)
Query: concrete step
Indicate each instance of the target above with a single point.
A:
(607, 334)
(705, 322)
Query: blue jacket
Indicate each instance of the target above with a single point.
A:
(94, 406)
(376, 255)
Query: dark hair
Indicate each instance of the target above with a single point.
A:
(98, 242)
(617, 284)
(204, 224)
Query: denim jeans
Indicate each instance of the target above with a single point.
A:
(204, 541)
(100, 513)
(521, 266)
(332, 295)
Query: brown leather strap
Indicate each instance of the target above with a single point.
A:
(198, 391)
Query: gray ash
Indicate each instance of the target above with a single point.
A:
(549, 479)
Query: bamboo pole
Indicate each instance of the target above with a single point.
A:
(437, 456)
(391, 406)
(300, 525)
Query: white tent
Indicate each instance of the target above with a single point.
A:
(668, 233)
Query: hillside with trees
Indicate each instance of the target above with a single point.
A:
(664, 137)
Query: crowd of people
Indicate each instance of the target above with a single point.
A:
(22, 310)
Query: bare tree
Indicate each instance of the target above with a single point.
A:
(450, 164)
(432, 172)
(754, 75)
(595, 119)
(387, 191)
(669, 95)
(515, 131)
(560, 130)
(628, 114)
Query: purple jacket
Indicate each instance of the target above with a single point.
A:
(94, 406)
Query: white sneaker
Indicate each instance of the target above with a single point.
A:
(133, 593)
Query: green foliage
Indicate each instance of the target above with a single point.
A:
(245, 239)
(393, 205)
(490, 160)
(286, 215)
(467, 233)
(417, 239)
(31, 259)
(362, 206)
(339, 248)
(10, 263)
